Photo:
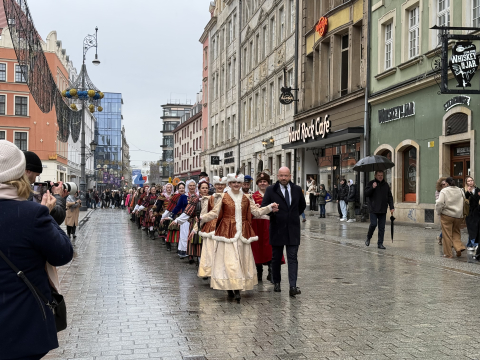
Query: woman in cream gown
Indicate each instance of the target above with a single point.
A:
(233, 266)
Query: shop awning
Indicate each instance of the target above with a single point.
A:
(340, 135)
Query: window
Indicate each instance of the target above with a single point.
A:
(245, 116)
(234, 23)
(214, 49)
(230, 32)
(250, 57)
(214, 88)
(282, 25)
(344, 74)
(2, 135)
(257, 49)
(257, 110)
(476, 13)
(291, 84)
(413, 32)
(229, 75)
(228, 129)
(245, 61)
(388, 46)
(250, 112)
(292, 16)
(2, 104)
(265, 42)
(263, 114)
(3, 72)
(280, 84)
(21, 140)
(234, 64)
(19, 74)
(272, 100)
(21, 105)
(443, 13)
(234, 122)
(410, 174)
(272, 33)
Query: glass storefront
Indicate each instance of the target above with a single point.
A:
(336, 161)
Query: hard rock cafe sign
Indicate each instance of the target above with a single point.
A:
(322, 25)
(317, 128)
(464, 63)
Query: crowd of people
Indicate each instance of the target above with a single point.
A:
(106, 199)
(222, 227)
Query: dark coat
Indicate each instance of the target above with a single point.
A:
(473, 218)
(321, 195)
(59, 212)
(352, 193)
(29, 237)
(343, 192)
(285, 224)
(379, 198)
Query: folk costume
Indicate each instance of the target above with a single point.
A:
(160, 206)
(208, 230)
(262, 250)
(148, 203)
(173, 230)
(233, 264)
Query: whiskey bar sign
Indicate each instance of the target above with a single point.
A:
(396, 113)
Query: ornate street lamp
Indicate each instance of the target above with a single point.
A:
(83, 92)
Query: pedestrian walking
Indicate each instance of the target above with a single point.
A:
(342, 199)
(311, 191)
(246, 185)
(30, 238)
(233, 266)
(285, 226)
(439, 186)
(472, 194)
(73, 213)
(351, 198)
(449, 207)
(322, 193)
(379, 198)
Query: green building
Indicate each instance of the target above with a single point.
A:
(426, 134)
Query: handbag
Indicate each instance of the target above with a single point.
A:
(57, 305)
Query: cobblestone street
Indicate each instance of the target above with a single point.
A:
(128, 298)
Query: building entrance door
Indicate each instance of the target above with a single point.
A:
(460, 163)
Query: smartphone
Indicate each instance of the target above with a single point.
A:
(39, 189)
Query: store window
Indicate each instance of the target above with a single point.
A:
(460, 163)
(410, 174)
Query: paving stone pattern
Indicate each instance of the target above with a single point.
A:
(128, 298)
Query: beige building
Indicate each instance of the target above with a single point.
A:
(267, 64)
(188, 143)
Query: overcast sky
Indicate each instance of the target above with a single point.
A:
(149, 52)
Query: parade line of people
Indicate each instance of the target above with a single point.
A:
(221, 227)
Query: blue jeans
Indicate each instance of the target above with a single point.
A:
(303, 215)
(471, 243)
(379, 219)
(322, 209)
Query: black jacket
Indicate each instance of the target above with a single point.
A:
(352, 193)
(473, 218)
(285, 224)
(343, 192)
(29, 238)
(379, 198)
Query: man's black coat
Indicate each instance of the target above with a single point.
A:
(379, 198)
(285, 224)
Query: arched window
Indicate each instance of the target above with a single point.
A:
(410, 174)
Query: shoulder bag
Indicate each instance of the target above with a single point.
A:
(57, 306)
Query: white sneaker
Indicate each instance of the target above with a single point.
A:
(351, 220)
(343, 219)
(470, 248)
(475, 248)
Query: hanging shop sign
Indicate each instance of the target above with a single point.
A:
(317, 128)
(286, 97)
(215, 160)
(457, 100)
(396, 113)
(322, 26)
(464, 62)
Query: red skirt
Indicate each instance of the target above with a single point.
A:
(262, 250)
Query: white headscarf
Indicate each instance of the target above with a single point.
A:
(187, 190)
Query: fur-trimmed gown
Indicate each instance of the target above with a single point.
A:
(208, 230)
(233, 266)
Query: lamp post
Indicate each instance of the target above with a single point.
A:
(83, 91)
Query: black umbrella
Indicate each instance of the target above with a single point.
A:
(392, 219)
(373, 163)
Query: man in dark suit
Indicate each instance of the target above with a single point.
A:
(285, 226)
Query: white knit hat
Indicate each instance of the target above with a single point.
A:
(235, 177)
(12, 162)
(217, 180)
(224, 180)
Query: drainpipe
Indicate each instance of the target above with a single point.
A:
(295, 103)
(239, 79)
(366, 121)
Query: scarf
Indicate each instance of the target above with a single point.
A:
(9, 192)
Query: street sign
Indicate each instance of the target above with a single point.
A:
(464, 62)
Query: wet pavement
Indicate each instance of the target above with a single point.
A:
(128, 298)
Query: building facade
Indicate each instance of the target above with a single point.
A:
(188, 143)
(126, 169)
(267, 65)
(173, 112)
(108, 133)
(221, 137)
(426, 134)
(21, 121)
